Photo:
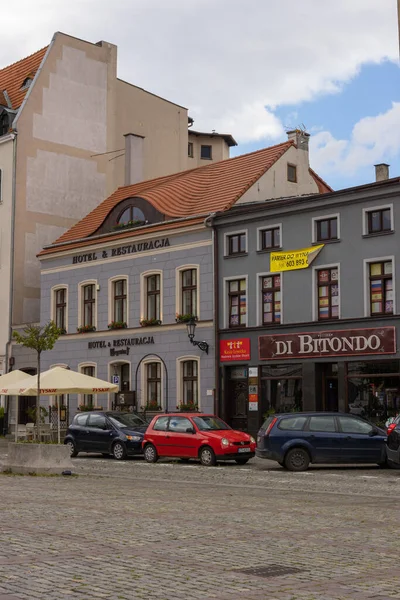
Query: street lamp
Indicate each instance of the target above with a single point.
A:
(191, 328)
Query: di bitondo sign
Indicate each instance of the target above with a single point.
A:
(293, 259)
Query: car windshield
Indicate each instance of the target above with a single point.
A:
(210, 423)
(126, 420)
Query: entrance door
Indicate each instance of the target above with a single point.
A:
(327, 387)
(331, 394)
(237, 404)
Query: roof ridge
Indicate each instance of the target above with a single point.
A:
(22, 59)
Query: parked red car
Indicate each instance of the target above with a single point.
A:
(194, 435)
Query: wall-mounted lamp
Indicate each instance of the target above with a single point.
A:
(191, 328)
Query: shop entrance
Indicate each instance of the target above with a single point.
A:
(124, 400)
(238, 399)
(327, 388)
(27, 404)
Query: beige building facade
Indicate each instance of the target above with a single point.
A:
(74, 124)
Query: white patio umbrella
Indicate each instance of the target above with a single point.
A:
(9, 379)
(59, 381)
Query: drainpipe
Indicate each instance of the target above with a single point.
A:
(208, 222)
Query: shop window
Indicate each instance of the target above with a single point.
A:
(189, 292)
(190, 149)
(373, 389)
(270, 238)
(153, 386)
(89, 305)
(236, 244)
(281, 388)
(379, 220)
(206, 152)
(237, 302)
(271, 299)
(328, 293)
(381, 293)
(190, 383)
(327, 229)
(292, 173)
(60, 308)
(153, 297)
(120, 301)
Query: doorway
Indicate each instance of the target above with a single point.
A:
(237, 398)
(327, 387)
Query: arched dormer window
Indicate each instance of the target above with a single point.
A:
(132, 214)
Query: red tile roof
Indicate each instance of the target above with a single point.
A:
(323, 187)
(13, 77)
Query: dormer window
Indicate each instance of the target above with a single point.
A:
(27, 83)
(131, 217)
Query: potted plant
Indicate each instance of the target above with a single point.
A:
(63, 331)
(128, 225)
(185, 317)
(188, 407)
(150, 322)
(152, 405)
(86, 328)
(85, 407)
(117, 325)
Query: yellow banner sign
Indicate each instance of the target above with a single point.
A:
(294, 259)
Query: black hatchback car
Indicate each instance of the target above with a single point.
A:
(116, 433)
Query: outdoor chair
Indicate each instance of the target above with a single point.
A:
(30, 431)
(21, 432)
(44, 431)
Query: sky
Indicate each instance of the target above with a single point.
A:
(252, 68)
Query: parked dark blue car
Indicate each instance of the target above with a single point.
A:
(116, 433)
(295, 440)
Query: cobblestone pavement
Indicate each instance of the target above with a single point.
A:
(171, 531)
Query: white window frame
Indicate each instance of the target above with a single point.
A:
(111, 282)
(314, 222)
(229, 234)
(369, 209)
(143, 292)
(53, 291)
(81, 285)
(225, 282)
(366, 263)
(143, 382)
(81, 366)
(259, 302)
(315, 291)
(179, 377)
(178, 288)
(259, 232)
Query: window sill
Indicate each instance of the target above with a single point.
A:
(378, 233)
(318, 243)
(269, 250)
(238, 255)
(204, 158)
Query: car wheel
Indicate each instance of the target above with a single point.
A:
(207, 457)
(150, 453)
(297, 459)
(119, 451)
(241, 461)
(72, 448)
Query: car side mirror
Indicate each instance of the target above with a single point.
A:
(190, 430)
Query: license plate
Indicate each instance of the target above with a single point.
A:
(244, 449)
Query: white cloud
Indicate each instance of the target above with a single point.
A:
(224, 59)
(373, 140)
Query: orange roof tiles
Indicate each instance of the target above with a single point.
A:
(199, 191)
(13, 76)
(323, 187)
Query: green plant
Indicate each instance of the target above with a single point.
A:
(86, 328)
(85, 407)
(152, 405)
(189, 406)
(185, 318)
(31, 412)
(149, 322)
(39, 339)
(117, 325)
(1, 412)
(128, 225)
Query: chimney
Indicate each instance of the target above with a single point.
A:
(381, 172)
(300, 138)
(133, 158)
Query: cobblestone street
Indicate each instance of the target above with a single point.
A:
(129, 530)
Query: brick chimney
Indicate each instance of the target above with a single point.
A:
(133, 158)
(300, 138)
(381, 172)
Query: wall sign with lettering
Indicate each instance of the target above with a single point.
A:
(121, 251)
(123, 345)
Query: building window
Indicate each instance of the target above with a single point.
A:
(120, 301)
(236, 244)
(153, 385)
(153, 297)
(327, 229)
(190, 383)
(328, 294)
(61, 308)
(132, 214)
(190, 149)
(379, 221)
(206, 152)
(292, 173)
(381, 288)
(271, 299)
(189, 292)
(237, 303)
(270, 238)
(89, 305)
(88, 398)
(4, 124)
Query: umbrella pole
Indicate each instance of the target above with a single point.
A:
(16, 418)
(58, 419)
